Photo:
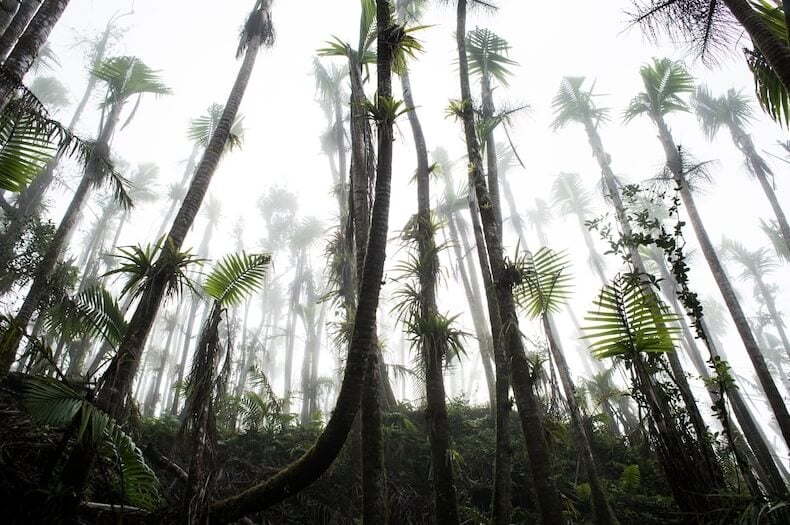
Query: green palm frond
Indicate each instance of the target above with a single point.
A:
(664, 81)
(127, 76)
(570, 195)
(544, 285)
(755, 264)
(629, 320)
(25, 148)
(328, 79)
(572, 103)
(202, 128)
(712, 112)
(55, 404)
(141, 265)
(93, 312)
(236, 277)
(487, 55)
(772, 95)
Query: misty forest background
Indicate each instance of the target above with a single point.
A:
(394, 262)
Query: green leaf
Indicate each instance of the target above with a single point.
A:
(486, 52)
(629, 319)
(202, 128)
(93, 311)
(544, 285)
(236, 277)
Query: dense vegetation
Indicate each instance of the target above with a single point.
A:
(354, 369)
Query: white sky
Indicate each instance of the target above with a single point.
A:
(193, 43)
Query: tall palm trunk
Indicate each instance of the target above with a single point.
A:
(119, 376)
(602, 511)
(472, 291)
(46, 267)
(326, 448)
(529, 410)
(28, 46)
(770, 304)
(16, 27)
(775, 400)
(444, 498)
(759, 168)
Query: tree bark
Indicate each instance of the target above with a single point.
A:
(445, 504)
(8, 9)
(28, 46)
(9, 38)
(529, 412)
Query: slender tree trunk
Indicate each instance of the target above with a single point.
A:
(725, 287)
(326, 448)
(529, 412)
(17, 26)
(761, 171)
(472, 290)
(770, 304)
(28, 46)
(444, 498)
(602, 511)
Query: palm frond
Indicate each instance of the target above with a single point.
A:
(629, 319)
(127, 76)
(93, 312)
(202, 128)
(772, 95)
(55, 404)
(236, 277)
(664, 81)
(487, 55)
(544, 285)
(572, 103)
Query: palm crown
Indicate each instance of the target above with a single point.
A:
(665, 81)
(732, 110)
(573, 103)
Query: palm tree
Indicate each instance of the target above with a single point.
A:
(710, 27)
(28, 47)
(117, 380)
(665, 81)
(734, 111)
(232, 281)
(362, 348)
(126, 77)
(29, 200)
(544, 289)
(116, 383)
(504, 313)
(756, 265)
(572, 198)
(425, 312)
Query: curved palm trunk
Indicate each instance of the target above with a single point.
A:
(444, 497)
(725, 287)
(46, 267)
(28, 46)
(16, 27)
(317, 459)
(775, 50)
(529, 411)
